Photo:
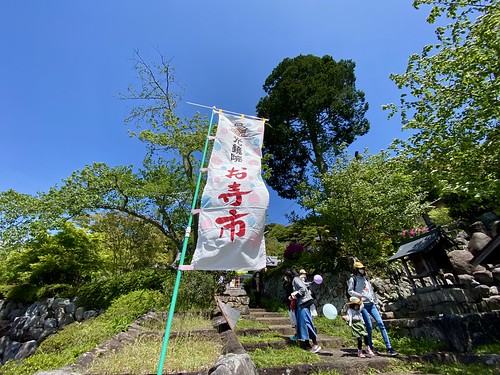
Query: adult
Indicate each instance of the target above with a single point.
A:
(359, 286)
(292, 311)
(257, 287)
(303, 300)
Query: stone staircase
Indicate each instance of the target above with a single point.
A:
(333, 355)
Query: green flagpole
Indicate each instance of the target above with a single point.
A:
(183, 254)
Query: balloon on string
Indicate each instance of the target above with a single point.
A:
(318, 279)
(329, 311)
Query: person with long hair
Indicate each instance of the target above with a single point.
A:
(359, 286)
(303, 300)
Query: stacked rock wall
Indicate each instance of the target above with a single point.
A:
(24, 327)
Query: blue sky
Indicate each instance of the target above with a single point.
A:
(63, 64)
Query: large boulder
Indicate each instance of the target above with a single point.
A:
(460, 261)
(477, 242)
(234, 364)
(483, 277)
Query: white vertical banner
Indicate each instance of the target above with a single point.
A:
(235, 200)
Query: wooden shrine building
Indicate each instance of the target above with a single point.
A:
(425, 260)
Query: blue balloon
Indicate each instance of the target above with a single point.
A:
(329, 311)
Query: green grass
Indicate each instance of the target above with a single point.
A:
(273, 305)
(493, 348)
(269, 357)
(185, 322)
(443, 369)
(412, 346)
(188, 353)
(266, 336)
(336, 327)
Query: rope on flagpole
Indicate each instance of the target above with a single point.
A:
(225, 111)
(183, 254)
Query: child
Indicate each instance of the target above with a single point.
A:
(358, 329)
(303, 277)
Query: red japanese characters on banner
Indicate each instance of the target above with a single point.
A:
(235, 199)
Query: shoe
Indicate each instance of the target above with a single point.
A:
(391, 351)
(315, 348)
(370, 352)
(294, 338)
(361, 354)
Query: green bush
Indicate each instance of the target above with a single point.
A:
(24, 293)
(27, 293)
(440, 216)
(196, 289)
(99, 294)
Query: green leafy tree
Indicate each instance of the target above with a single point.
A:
(451, 104)
(277, 238)
(67, 257)
(369, 201)
(278, 231)
(313, 108)
(23, 217)
(129, 243)
(160, 193)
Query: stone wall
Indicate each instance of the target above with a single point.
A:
(24, 327)
(396, 299)
(459, 333)
(236, 298)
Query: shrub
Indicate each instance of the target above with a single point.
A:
(196, 290)
(99, 294)
(440, 216)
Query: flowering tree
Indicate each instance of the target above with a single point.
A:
(293, 251)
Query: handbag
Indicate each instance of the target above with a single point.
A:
(307, 303)
(313, 310)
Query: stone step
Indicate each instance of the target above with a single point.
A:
(343, 362)
(263, 314)
(284, 329)
(324, 340)
(273, 320)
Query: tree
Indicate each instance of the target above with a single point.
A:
(160, 193)
(451, 104)
(128, 243)
(369, 201)
(69, 256)
(313, 108)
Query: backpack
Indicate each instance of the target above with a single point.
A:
(354, 287)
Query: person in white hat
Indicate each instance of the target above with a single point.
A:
(303, 277)
(360, 287)
(354, 319)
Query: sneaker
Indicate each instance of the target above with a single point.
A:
(294, 338)
(370, 352)
(315, 348)
(391, 351)
(361, 354)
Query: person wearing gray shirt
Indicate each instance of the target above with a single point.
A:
(359, 286)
